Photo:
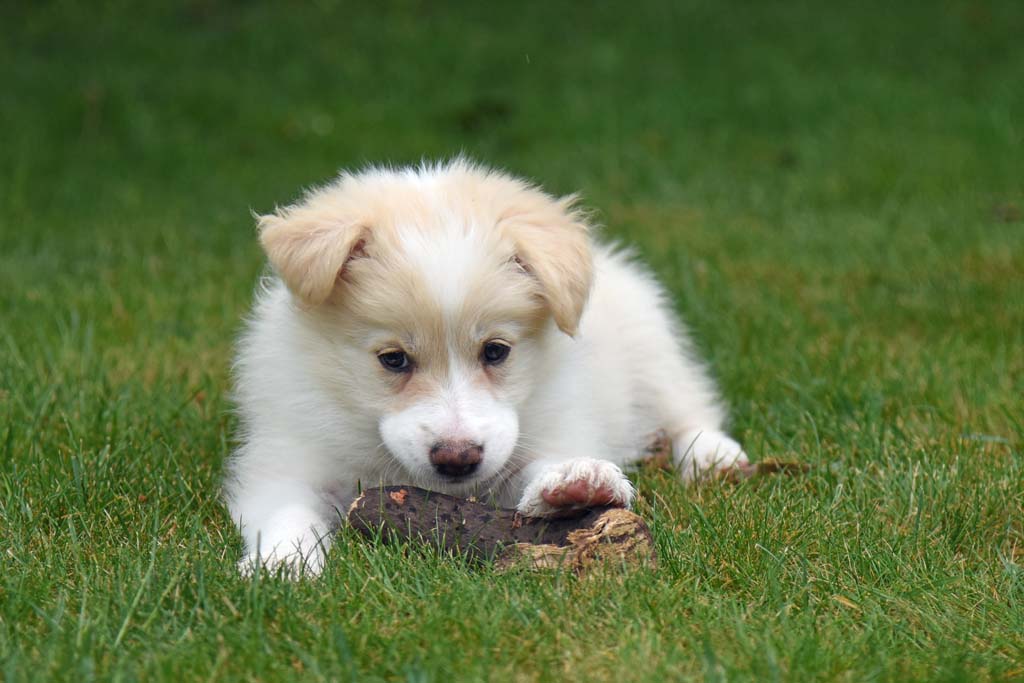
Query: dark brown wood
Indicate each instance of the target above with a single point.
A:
(484, 532)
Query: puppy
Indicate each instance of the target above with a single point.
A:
(454, 328)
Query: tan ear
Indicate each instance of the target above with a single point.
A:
(553, 245)
(309, 249)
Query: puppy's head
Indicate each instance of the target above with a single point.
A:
(430, 293)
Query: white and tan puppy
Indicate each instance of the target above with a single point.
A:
(453, 328)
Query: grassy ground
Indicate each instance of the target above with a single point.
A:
(833, 193)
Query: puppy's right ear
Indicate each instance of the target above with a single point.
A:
(309, 250)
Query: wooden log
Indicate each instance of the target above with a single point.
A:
(598, 536)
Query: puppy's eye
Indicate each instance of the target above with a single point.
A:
(395, 361)
(495, 352)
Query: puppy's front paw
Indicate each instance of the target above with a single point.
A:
(293, 543)
(575, 484)
(293, 565)
(700, 451)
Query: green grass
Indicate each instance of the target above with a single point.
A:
(833, 192)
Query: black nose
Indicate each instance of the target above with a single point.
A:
(456, 459)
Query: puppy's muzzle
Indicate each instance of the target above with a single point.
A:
(456, 459)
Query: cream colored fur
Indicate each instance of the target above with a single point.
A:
(436, 262)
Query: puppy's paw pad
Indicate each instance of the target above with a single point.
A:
(580, 492)
(576, 484)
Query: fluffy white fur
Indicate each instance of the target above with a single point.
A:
(435, 262)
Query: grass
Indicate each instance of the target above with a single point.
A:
(832, 191)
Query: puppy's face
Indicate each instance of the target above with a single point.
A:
(447, 328)
(432, 292)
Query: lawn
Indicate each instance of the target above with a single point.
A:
(834, 193)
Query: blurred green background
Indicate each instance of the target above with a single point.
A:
(832, 191)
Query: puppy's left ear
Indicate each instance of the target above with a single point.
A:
(553, 244)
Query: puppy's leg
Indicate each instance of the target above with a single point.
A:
(685, 399)
(284, 525)
(556, 486)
